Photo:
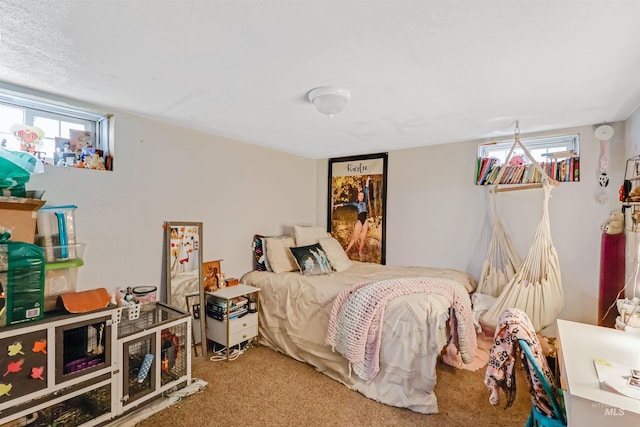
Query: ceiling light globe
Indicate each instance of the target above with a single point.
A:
(329, 100)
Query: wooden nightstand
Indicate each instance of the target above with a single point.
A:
(231, 331)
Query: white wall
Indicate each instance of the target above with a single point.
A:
(436, 216)
(167, 173)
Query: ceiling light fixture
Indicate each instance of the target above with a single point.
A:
(329, 100)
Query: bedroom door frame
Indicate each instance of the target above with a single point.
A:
(347, 176)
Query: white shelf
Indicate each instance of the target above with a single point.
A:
(230, 292)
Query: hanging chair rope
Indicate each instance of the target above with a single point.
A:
(544, 177)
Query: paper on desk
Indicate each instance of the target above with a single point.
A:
(614, 377)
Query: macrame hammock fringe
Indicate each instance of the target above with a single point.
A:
(535, 285)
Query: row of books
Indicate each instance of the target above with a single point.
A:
(219, 309)
(563, 170)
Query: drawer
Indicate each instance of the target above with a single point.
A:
(243, 335)
(217, 330)
(244, 322)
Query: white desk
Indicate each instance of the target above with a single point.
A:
(587, 404)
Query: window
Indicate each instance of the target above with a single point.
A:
(540, 148)
(58, 135)
(558, 156)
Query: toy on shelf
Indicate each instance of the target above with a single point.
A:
(614, 224)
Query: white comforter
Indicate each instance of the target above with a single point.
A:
(294, 315)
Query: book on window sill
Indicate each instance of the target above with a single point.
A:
(617, 378)
(561, 170)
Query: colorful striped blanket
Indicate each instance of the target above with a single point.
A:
(356, 318)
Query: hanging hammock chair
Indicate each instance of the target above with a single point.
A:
(536, 286)
(502, 260)
(500, 265)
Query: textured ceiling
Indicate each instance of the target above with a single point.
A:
(420, 72)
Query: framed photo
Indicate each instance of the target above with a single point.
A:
(79, 139)
(211, 271)
(63, 146)
(357, 205)
(69, 159)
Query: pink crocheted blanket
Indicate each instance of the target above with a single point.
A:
(356, 318)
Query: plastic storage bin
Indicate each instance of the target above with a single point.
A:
(145, 295)
(56, 228)
(59, 253)
(60, 278)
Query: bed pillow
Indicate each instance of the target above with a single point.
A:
(309, 235)
(311, 260)
(335, 253)
(280, 258)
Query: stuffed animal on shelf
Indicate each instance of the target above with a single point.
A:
(634, 194)
(614, 224)
(93, 161)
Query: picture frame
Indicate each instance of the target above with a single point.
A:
(63, 144)
(79, 139)
(210, 272)
(69, 159)
(62, 148)
(357, 193)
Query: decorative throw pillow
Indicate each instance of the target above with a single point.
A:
(337, 256)
(280, 258)
(258, 253)
(311, 260)
(309, 235)
(259, 247)
(266, 258)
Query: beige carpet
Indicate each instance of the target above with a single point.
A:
(265, 388)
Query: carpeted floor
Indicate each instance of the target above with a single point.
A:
(265, 388)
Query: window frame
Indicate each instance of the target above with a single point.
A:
(568, 142)
(560, 160)
(40, 105)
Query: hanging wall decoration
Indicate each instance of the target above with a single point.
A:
(357, 205)
(603, 133)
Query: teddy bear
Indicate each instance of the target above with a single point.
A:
(634, 194)
(614, 224)
(94, 161)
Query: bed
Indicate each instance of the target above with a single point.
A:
(296, 309)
